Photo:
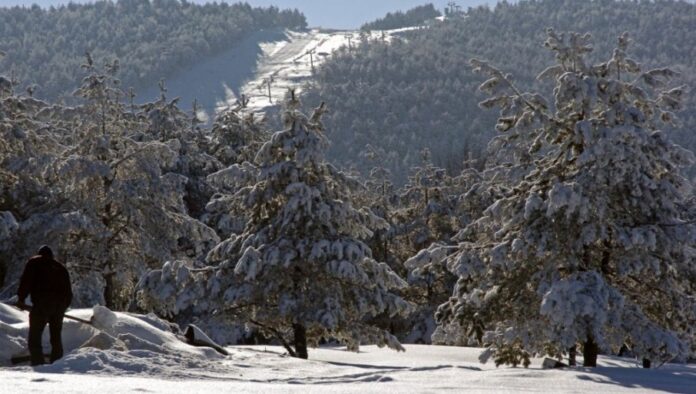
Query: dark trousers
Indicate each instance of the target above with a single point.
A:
(37, 323)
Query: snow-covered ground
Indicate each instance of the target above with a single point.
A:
(147, 357)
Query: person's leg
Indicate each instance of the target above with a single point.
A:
(37, 323)
(55, 327)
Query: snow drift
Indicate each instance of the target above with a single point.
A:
(128, 352)
(115, 342)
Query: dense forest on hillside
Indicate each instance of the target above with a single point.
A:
(554, 246)
(413, 17)
(420, 92)
(152, 39)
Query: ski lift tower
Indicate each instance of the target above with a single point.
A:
(454, 9)
(267, 83)
(349, 37)
(310, 52)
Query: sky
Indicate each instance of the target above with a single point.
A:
(339, 14)
(347, 14)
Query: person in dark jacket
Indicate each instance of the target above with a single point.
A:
(48, 283)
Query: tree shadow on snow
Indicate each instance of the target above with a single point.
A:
(367, 366)
(671, 378)
(376, 374)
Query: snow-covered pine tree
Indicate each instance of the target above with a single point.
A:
(589, 245)
(33, 135)
(300, 271)
(380, 196)
(101, 89)
(454, 203)
(95, 183)
(236, 135)
(428, 202)
(116, 207)
(24, 151)
(425, 215)
(165, 118)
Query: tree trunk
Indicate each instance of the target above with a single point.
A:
(623, 351)
(646, 363)
(109, 291)
(300, 341)
(572, 353)
(3, 272)
(590, 352)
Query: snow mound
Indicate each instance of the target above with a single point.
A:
(11, 315)
(12, 337)
(104, 341)
(139, 334)
(103, 318)
(14, 330)
(115, 343)
(12, 341)
(130, 362)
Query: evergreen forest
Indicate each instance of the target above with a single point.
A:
(420, 92)
(151, 39)
(515, 178)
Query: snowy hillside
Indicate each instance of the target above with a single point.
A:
(288, 63)
(571, 241)
(282, 57)
(212, 80)
(145, 356)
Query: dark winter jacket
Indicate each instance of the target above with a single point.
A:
(48, 283)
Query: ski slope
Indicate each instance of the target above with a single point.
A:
(148, 357)
(289, 63)
(282, 57)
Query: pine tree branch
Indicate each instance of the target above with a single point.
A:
(118, 162)
(278, 335)
(666, 224)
